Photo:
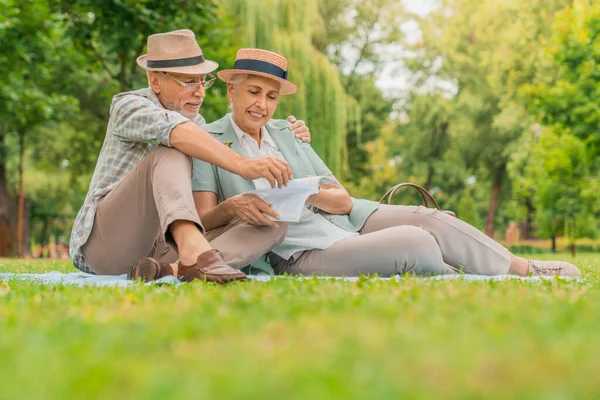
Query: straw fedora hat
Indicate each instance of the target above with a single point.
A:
(177, 52)
(262, 63)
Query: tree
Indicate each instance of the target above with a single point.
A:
(360, 38)
(427, 137)
(289, 28)
(374, 114)
(565, 93)
(481, 53)
(565, 192)
(29, 56)
(7, 18)
(110, 36)
(64, 62)
(113, 33)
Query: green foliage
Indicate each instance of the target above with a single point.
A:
(373, 114)
(566, 95)
(63, 62)
(300, 339)
(110, 36)
(559, 173)
(356, 36)
(287, 27)
(484, 76)
(564, 191)
(355, 33)
(427, 138)
(30, 61)
(476, 55)
(113, 33)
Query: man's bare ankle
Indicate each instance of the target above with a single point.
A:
(190, 256)
(175, 267)
(187, 261)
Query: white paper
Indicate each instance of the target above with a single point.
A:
(289, 200)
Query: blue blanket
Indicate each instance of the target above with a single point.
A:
(83, 279)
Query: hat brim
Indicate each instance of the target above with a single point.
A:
(287, 87)
(200, 69)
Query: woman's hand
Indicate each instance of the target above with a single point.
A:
(299, 128)
(250, 208)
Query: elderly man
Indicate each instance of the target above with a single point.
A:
(139, 214)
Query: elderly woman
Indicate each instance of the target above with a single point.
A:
(337, 235)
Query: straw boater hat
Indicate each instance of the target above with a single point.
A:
(177, 52)
(262, 63)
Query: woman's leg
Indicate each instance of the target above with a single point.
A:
(462, 246)
(386, 252)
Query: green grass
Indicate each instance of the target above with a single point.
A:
(291, 339)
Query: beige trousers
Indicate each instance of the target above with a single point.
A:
(405, 239)
(132, 220)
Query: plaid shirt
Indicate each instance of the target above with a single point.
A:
(137, 123)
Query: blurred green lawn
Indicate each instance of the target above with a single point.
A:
(292, 339)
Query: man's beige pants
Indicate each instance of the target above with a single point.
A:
(132, 220)
(405, 239)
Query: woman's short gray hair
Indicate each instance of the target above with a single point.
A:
(238, 78)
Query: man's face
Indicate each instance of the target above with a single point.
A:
(174, 96)
(254, 102)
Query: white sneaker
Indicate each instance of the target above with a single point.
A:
(550, 268)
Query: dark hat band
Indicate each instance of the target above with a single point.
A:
(261, 66)
(179, 62)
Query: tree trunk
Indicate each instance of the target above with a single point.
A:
(553, 243)
(45, 227)
(122, 73)
(573, 248)
(489, 222)
(528, 223)
(21, 207)
(6, 238)
(429, 180)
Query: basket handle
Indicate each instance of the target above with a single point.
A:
(424, 194)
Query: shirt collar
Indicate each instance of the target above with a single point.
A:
(265, 137)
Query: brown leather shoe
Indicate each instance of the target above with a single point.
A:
(210, 267)
(148, 269)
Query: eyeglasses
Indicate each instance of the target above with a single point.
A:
(194, 85)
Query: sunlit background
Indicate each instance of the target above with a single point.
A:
(490, 105)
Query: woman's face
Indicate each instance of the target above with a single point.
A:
(254, 102)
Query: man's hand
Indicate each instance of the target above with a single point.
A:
(273, 169)
(299, 128)
(250, 208)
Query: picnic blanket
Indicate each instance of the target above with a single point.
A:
(83, 279)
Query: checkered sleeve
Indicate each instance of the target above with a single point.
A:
(137, 119)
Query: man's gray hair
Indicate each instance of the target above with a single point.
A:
(148, 73)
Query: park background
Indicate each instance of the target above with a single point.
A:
(491, 105)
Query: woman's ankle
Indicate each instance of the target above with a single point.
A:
(518, 266)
